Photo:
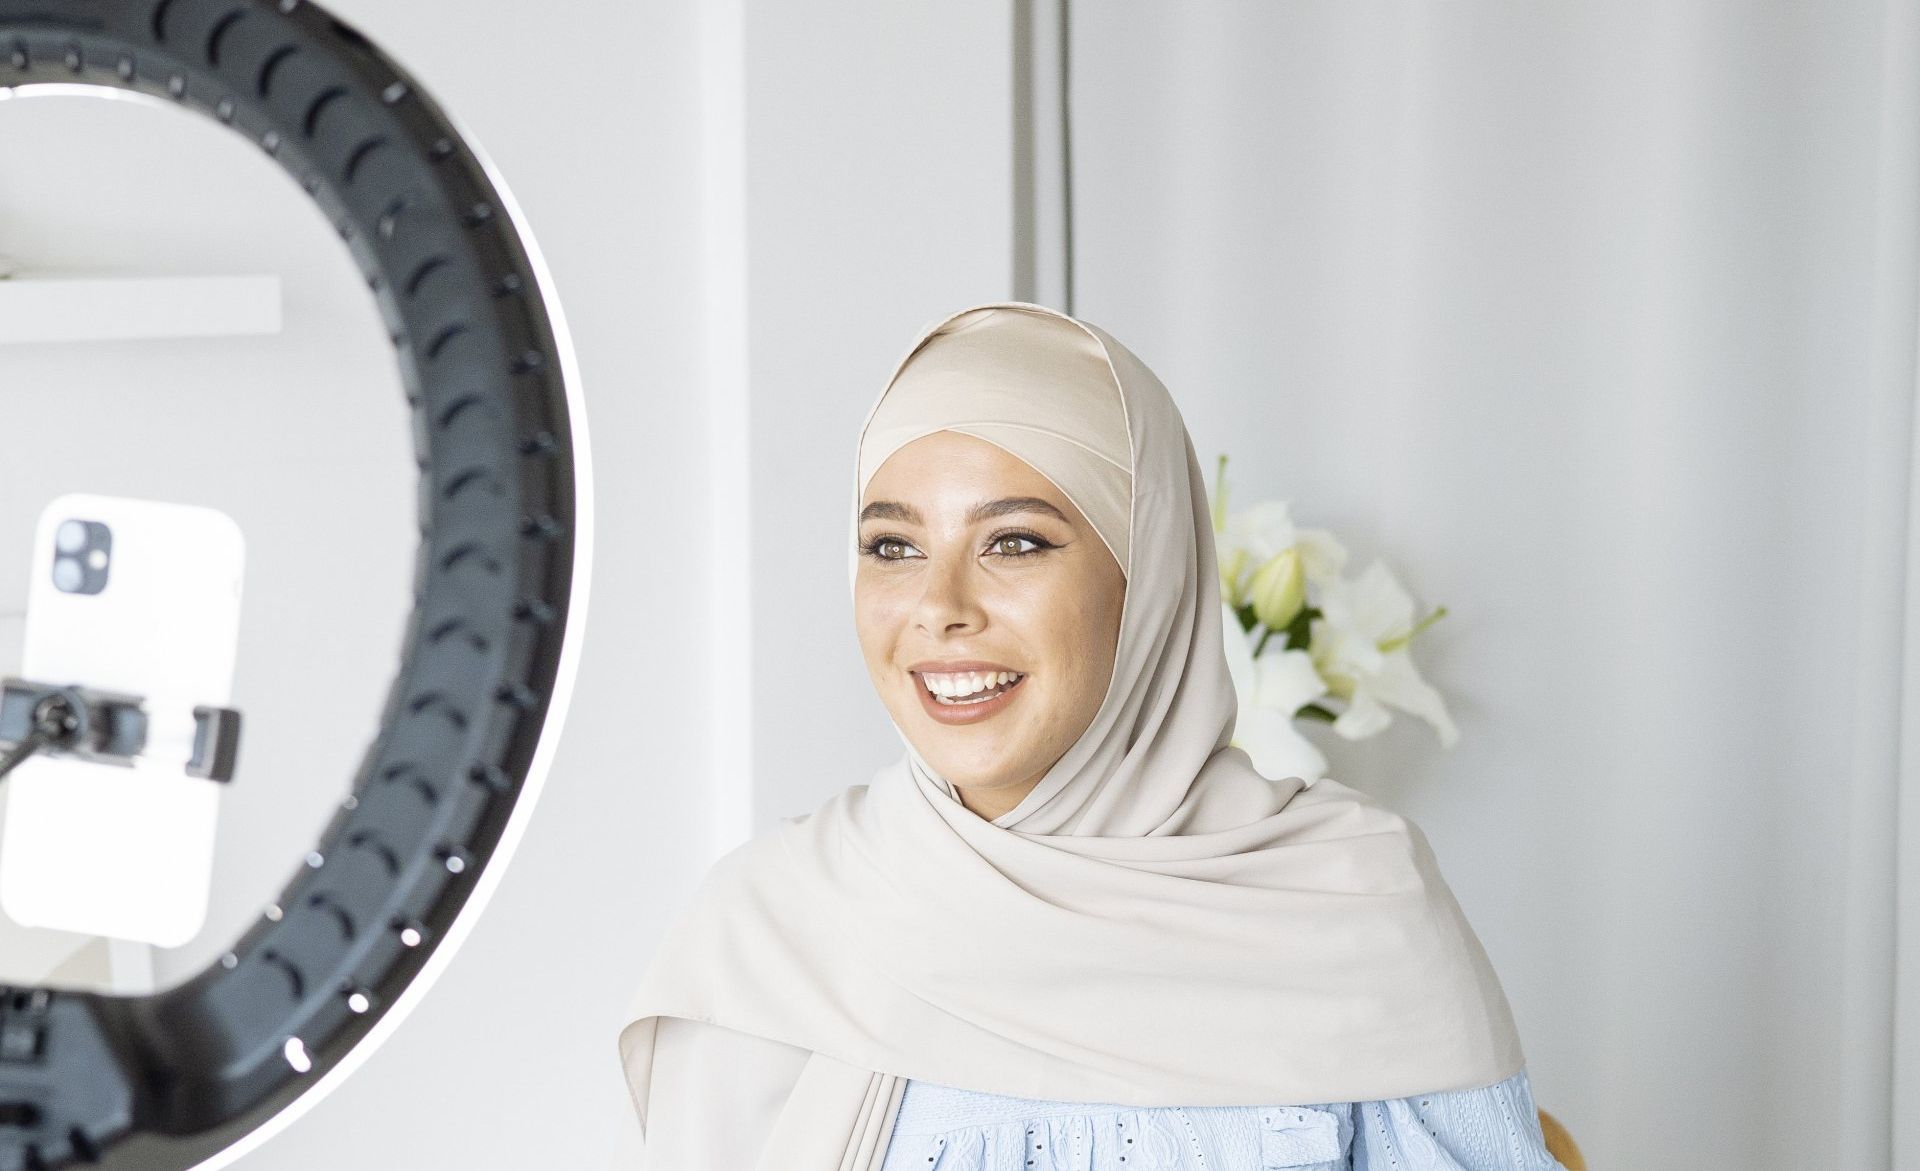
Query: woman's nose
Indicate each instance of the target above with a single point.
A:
(948, 597)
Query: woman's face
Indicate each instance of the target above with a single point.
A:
(973, 563)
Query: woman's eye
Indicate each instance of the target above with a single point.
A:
(1004, 545)
(1007, 544)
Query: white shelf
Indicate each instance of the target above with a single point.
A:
(71, 309)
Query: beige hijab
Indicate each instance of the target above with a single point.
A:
(1155, 924)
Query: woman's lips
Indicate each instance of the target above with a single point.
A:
(966, 713)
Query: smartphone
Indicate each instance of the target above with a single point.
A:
(140, 597)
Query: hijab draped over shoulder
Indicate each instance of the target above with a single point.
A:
(1155, 923)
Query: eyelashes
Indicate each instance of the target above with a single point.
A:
(872, 548)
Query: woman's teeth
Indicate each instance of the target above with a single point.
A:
(966, 686)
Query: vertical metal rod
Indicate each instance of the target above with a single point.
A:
(1042, 155)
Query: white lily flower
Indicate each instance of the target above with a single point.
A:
(1359, 645)
(1254, 537)
(1269, 692)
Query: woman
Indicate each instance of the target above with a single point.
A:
(1072, 926)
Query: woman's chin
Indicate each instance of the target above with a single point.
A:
(962, 768)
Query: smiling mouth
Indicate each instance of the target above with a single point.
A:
(986, 696)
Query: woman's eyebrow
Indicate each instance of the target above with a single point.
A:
(893, 510)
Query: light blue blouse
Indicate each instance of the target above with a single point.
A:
(1494, 1128)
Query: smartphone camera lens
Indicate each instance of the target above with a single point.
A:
(83, 553)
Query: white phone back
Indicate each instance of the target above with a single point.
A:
(103, 849)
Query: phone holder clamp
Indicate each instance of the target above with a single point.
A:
(108, 727)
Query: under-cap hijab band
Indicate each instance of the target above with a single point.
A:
(1037, 385)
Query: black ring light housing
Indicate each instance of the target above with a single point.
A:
(446, 783)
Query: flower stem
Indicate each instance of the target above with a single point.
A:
(1299, 632)
(1220, 494)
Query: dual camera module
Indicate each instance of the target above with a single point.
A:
(82, 553)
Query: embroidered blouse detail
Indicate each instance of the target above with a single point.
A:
(1494, 1128)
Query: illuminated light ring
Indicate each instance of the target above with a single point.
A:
(203, 1072)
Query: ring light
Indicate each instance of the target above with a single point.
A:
(215, 1065)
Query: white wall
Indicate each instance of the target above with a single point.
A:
(880, 198)
(1568, 312)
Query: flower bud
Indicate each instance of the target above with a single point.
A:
(1279, 590)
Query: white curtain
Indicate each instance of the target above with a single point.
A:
(1597, 323)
